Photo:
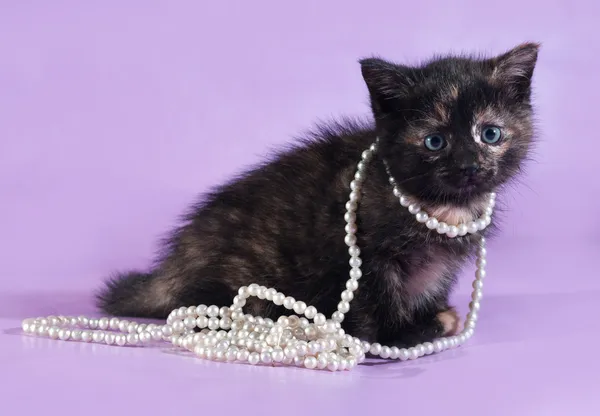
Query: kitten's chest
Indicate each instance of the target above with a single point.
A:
(415, 279)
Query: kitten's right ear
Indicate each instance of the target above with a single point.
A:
(387, 82)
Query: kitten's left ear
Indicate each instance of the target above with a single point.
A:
(515, 68)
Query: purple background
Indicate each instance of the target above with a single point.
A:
(114, 115)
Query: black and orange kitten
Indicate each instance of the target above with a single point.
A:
(451, 131)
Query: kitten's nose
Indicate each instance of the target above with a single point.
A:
(469, 169)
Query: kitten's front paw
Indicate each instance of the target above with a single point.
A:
(450, 322)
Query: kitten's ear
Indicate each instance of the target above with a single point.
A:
(387, 82)
(515, 68)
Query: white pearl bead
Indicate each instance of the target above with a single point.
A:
(288, 302)
(452, 231)
(355, 273)
(243, 355)
(375, 349)
(103, 323)
(213, 323)
(351, 284)
(422, 216)
(202, 322)
(310, 362)
(299, 307)
(133, 339)
(86, 336)
(347, 295)
(386, 352)
(97, 336)
(177, 326)
(338, 316)
(121, 340)
(254, 358)
(431, 223)
(404, 201)
(404, 354)
(320, 319)
(109, 338)
(278, 299)
(52, 332)
(122, 325)
(265, 357)
(343, 306)
(414, 208)
(322, 361)
(310, 312)
(462, 230)
(277, 355)
(333, 364)
(355, 262)
(253, 289)
(330, 327)
(480, 224)
(442, 228)
(350, 239)
(290, 352)
(472, 227)
(212, 311)
(239, 302)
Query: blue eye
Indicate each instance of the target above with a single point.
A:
(491, 135)
(435, 142)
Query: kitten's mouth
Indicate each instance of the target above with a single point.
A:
(467, 185)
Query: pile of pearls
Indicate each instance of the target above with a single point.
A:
(307, 339)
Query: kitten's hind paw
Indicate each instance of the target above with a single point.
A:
(450, 322)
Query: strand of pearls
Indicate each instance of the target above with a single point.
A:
(452, 231)
(306, 339)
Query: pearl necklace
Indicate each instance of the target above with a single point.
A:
(227, 334)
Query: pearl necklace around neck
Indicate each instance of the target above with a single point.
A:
(227, 334)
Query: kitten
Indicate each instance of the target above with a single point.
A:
(451, 130)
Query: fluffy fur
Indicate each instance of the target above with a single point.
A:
(281, 224)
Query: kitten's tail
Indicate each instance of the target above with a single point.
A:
(134, 294)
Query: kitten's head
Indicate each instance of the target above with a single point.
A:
(455, 127)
